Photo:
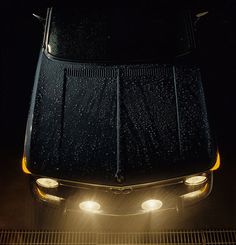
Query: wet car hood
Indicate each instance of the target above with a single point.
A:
(119, 124)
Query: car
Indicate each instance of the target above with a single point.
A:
(118, 121)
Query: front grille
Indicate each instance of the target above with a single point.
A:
(180, 237)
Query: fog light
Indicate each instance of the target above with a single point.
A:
(196, 180)
(47, 183)
(90, 206)
(151, 205)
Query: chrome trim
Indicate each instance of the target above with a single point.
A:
(121, 190)
(47, 28)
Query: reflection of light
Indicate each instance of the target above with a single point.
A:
(47, 183)
(49, 48)
(48, 196)
(196, 180)
(197, 193)
(151, 205)
(217, 164)
(192, 194)
(201, 14)
(90, 206)
(24, 168)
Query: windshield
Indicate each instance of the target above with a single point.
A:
(118, 34)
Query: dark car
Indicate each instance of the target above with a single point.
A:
(118, 122)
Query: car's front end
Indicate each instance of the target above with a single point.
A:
(172, 194)
(118, 126)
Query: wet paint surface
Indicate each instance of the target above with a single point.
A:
(217, 211)
(147, 122)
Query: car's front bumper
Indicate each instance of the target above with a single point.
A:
(174, 194)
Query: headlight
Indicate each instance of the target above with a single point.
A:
(151, 205)
(196, 180)
(90, 206)
(47, 183)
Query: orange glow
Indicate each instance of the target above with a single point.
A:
(217, 164)
(24, 168)
(41, 194)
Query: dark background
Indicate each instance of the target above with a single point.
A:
(21, 37)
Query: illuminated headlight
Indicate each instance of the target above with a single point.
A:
(151, 205)
(90, 206)
(47, 183)
(196, 180)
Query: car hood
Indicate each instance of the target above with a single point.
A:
(118, 124)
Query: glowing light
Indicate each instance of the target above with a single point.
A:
(47, 183)
(49, 48)
(90, 206)
(196, 180)
(217, 164)
(24, 168)
(49, 197)
(195, 194)
(201, 14)
(151, 205)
